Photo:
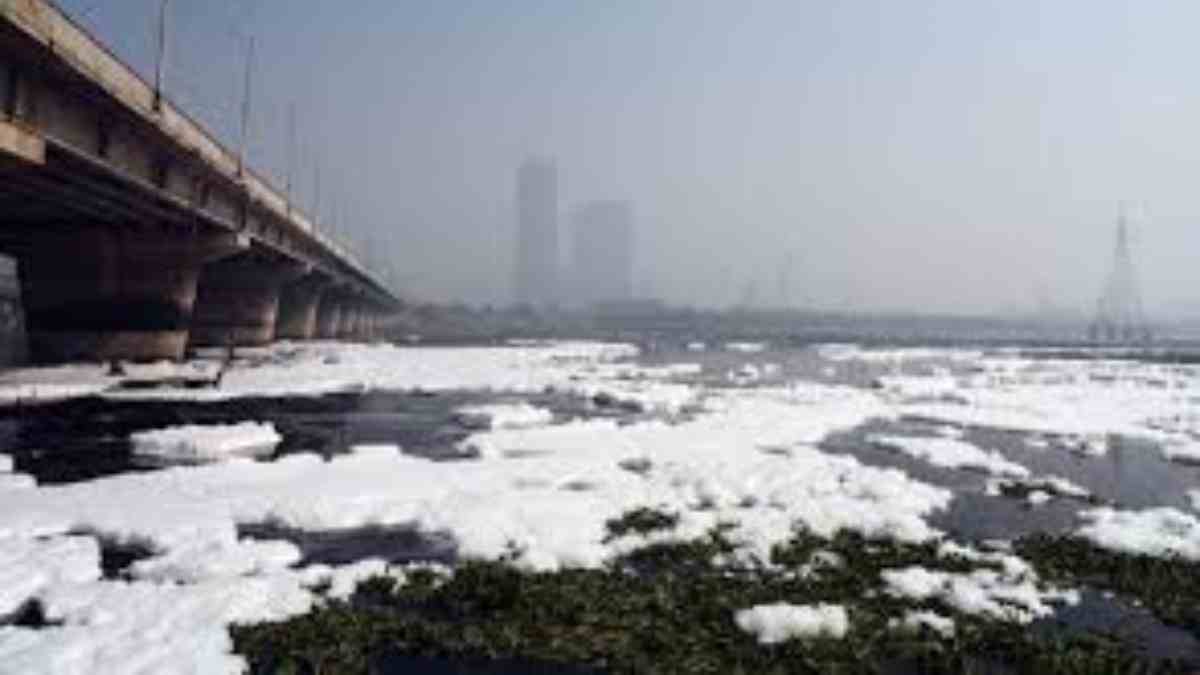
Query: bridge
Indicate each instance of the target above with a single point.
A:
(136, 233)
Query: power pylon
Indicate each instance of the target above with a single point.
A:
(1120, 317)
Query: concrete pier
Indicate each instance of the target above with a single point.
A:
(329, 317)
(103, 293)
(366, 325)
(237, 300)
(348, 329)
(298, 305)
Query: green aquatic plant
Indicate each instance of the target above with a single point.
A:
(642, 521)
(669, 606)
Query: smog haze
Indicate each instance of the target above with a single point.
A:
(932, 155)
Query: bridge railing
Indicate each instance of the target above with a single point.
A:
(47, 23)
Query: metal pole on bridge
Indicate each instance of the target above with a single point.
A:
(246, 110)
(160, 70)
(316, 214)
(291, 153)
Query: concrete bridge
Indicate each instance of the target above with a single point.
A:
(136, 233)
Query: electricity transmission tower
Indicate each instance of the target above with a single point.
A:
(1120, 317)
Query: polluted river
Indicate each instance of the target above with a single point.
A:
(875, 508)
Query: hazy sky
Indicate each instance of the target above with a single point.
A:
(938, 155)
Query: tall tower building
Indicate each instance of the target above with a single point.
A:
(536, 283)
(602, 252)
(1119, 313)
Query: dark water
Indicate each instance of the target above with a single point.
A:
(87, 438)
(1132, 475)
(1135, 626)
(396, 545)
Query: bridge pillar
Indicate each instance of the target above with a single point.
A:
(366, 324)
(348, 330)
(329, 316)
(237, 300)
(298, 308)
(101, 293)
(373, 332)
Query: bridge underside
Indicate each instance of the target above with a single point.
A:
(135, 233)
(110, 272)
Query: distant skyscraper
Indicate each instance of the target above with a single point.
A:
(537, 280)
(602, 258)
(1119, 313)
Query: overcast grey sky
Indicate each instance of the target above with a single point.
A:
(937, 155)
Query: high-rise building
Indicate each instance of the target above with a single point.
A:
(537, 282)
(602, 252)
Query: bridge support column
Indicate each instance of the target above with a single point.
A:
(366, 327)
(298, 308)
(348, 330)
(102, 293)
(329, 317)
(237, 301)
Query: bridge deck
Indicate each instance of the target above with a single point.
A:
(83, 136)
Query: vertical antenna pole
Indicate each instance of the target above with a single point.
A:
(291, 153)
(317, 194)
(160, 70)
(246, 110)
(333, 218)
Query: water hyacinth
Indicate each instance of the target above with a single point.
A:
(681, 607)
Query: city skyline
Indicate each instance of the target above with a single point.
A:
(536, 270)
(861, 135)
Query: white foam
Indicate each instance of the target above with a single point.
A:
(746, 347)
(914, 620)
(1079, 404)
(854, 352)
(318, 368)
(914, 388)
(217, 559)
(376, 449)
(748, 456)
(113, 628)
(56, 383)
(504, 416)
(749, 373)
(953, 453)
(16, 481)
(6, 464)
(199, 443)
(1158, 532)
(1038, 497)
(780, 622)
(995, 594)
(547, 490)
(29, 566)
(1037, 442)
(343, 580)
(1044, 487)
(1185, 450)
(1064, 487)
